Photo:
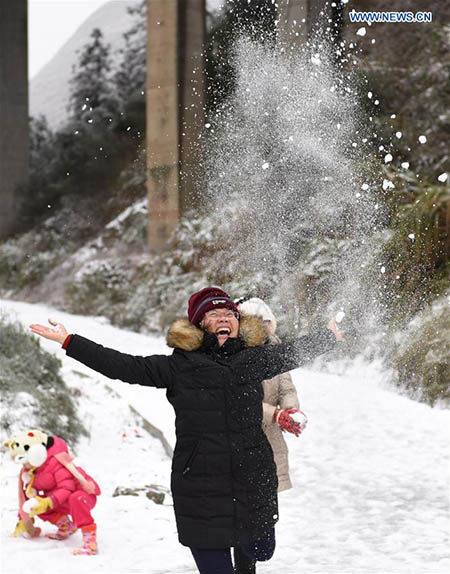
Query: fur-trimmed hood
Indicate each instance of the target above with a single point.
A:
(183, 335)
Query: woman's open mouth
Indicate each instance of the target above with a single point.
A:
(223, 331)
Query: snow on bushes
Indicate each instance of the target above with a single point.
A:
(33, 391)
(422, 355)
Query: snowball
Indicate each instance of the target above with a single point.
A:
(365, 187)
(29, 504)
(398, 135)
(388, 184)
(422, 139)
(265, 165)
(369, 95)
(412, 235)
(207, 126)
(383, 269)
(405, 164)
(339, 316)
(388, 158)
(393, 117)
(443, 177)
(361, 31)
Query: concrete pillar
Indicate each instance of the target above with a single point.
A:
(176, 33)
(301, 19)
(192, 34)
(13, 109)
(162, 119)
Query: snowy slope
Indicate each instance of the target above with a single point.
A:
(370, 476)
(49, 89)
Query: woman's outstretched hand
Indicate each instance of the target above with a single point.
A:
(337, 332)
(56, 333)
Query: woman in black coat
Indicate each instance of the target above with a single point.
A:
(224, 482)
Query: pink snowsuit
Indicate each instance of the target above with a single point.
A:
(54, 480)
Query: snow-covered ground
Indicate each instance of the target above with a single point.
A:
(370, 475)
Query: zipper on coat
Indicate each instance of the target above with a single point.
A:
(187, 468)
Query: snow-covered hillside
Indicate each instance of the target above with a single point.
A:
(49, 89)
(370, 475)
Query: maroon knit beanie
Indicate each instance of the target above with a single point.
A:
(207, 299)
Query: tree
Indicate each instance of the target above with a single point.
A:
(91, 97)
(38, 194)
(130, 79)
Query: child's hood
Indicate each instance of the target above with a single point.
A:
(58, 446)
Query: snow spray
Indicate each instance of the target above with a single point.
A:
(340, 316)
(288, 181)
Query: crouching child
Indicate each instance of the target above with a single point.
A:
(53, 488)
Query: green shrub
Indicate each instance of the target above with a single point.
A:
(98, 287)
(33, 392)
(422, 356)
(417, 253)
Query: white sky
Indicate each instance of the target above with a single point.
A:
(50, 25)
(52, 22)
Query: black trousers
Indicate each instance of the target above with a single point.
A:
(243, 564)
(218, 560)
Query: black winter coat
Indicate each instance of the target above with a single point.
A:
(224, 481)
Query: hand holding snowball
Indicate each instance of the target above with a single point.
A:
(333, 325)
(287, 422)
(37, 505)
